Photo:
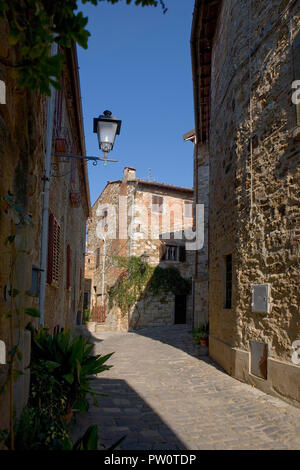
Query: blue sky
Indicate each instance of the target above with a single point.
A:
(138, 66)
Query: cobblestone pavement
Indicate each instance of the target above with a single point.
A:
(162, 397)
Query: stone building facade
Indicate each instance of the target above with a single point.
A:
(245, 57)
(150, 218)
(69, 205)
(23, 124)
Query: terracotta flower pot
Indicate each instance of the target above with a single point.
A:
(68, 416)
(203, 342)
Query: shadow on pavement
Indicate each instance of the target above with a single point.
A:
(125, 413)
(183, 341)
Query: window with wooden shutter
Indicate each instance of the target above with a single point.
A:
(157, 204)
(69, 266)
(53, 250)
(172, 253)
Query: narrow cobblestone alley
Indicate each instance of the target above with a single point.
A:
(162, 397)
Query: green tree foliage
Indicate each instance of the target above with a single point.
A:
(36, 24)
(139, 280)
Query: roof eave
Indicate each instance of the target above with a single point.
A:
(205, 17)
(72, 52)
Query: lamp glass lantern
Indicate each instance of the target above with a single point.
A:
(107, 127)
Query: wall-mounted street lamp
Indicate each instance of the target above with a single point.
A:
(107, 127)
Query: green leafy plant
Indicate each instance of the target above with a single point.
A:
(87, 316)
(168, 280)
(61, 371)
(130, 284)
(41, 425)
(201, 333)
(139, 279)
(39, 430)
(35, 432)
(89, 441)
(72, 362)
(36, 24)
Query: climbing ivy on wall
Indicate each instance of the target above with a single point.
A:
(139, 279)
(12, 313)
(36, 24)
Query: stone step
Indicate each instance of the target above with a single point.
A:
(104, 327)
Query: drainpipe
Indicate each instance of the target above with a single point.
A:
(46, 193)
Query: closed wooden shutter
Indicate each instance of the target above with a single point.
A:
(56, 251)
(53, 250)
(50, 249)
(69, 266)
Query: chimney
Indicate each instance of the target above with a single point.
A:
(129, 174)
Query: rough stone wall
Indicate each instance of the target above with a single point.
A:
(137, 239)
(153, 311)
(22, 150)
(254, 173)
(21, 147)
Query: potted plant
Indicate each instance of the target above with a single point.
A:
(69, 414)
(200, 335)
(203, 338)
(87, 316)
(196, 335)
